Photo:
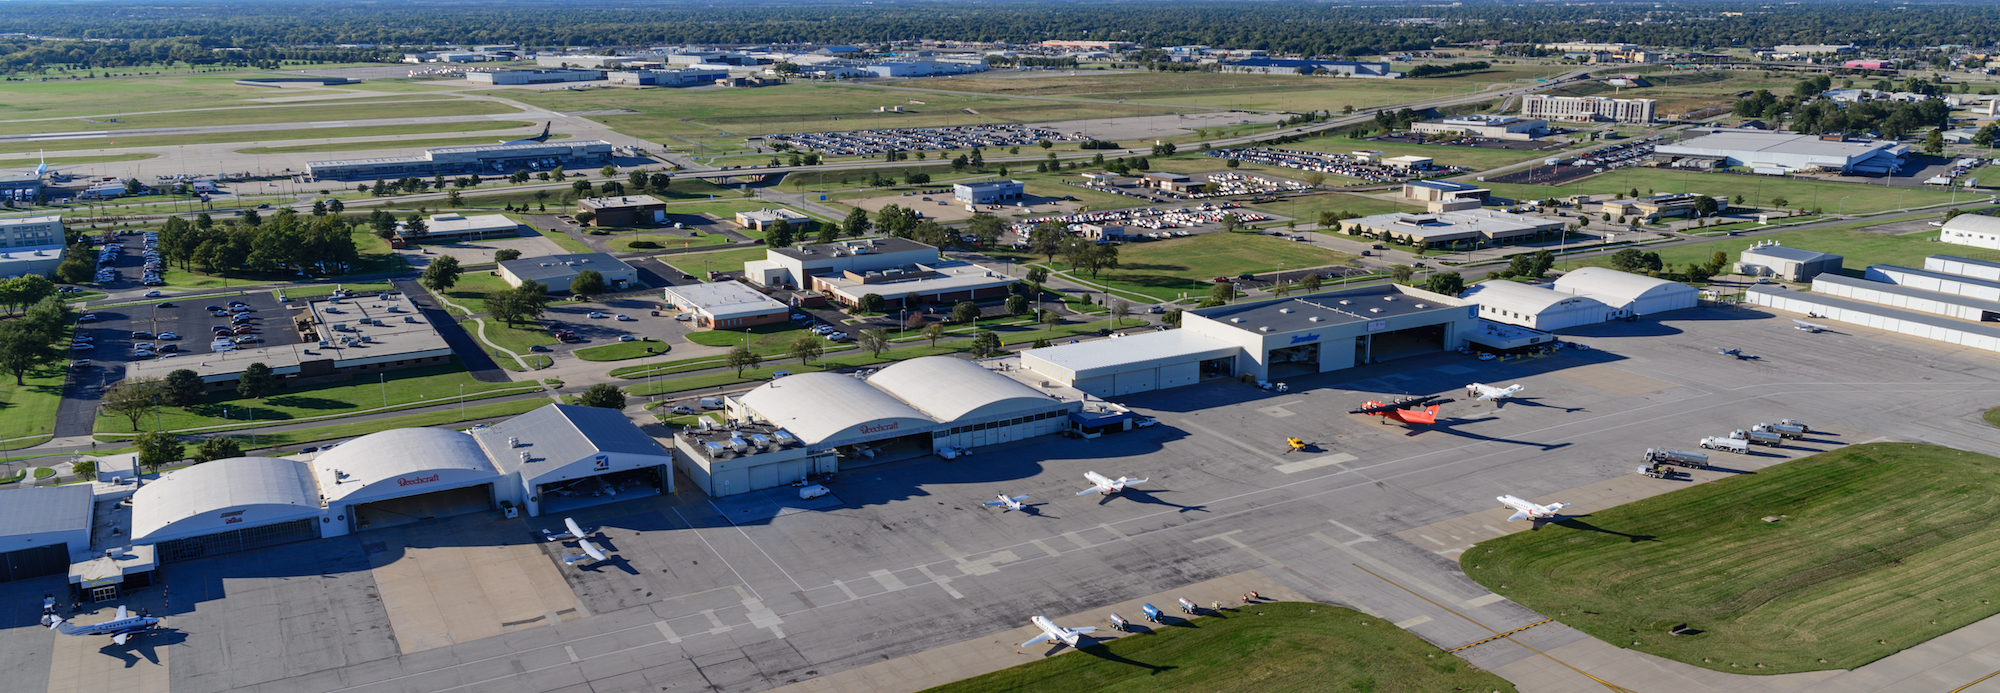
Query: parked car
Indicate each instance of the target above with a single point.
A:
(595, 314)
(87, 317)
(169, 336)
(155, 294)
(621, 317)
(538, 347)
(627, 338)
(211, 309)
(142, 334)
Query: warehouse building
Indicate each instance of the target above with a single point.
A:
(1342, 68)
(564, 456)
(1586, 109)
(32, 233)
(583, 61)
(452, 226)
(1908, 298)
(1535, 307)
(687, 77)
(1964, 266)
(487, 159)
(521, 77)
(1976, 230)
(624, 210)
(1440, 229)
(400, 476)
(1769, 259)
(988, 191)
(555, 272)
(20, 262)
(1140, 363)
(41, 529)
(915, 407)
(227, 505)
(763, 219)
(903, 272)
(1443, 191)
(726, 305)
(1497, 127)
(1776, 153)
(1658, 206)
(1941, 282)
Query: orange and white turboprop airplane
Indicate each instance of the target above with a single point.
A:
(1415, 410)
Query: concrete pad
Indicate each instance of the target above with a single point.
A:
(480, 252)
(94, 664)
(440, 596)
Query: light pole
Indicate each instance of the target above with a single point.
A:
(384, 380)
(1842, 209)
(461, 401)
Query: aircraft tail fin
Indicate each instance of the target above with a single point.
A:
(1037, 640)
(1518, 515)
(544, 137)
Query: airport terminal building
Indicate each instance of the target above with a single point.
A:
(485, 159)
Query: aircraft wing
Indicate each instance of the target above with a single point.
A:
(1039, 639)
(1091, 490)
(1019, 498)
(1086, 630)
(595, 553)
(1518, 515)
(996, 504)
(1129, 482)
(574, 529)
(1377, 409)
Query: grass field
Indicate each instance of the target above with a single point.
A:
(250, 136)
(1680, 93)
(471, 289)
(374, 258)
(1306, 208)
(1757, 191)
(1243, 91)
(413, 387)
(361, 428)
(700, 264)
(29, 410)
(768, 339)
(568, 244)
(115, 96)
(1273, 647)
(663, 241)
(1860, 248)
(268, 113)
(619, 351)
(1878, 547)
(384, 144)
(1993, 416)
(1167, 270)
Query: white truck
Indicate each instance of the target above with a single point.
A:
(1726, 445)
(1691, 460)
(1783, 430)
(1758, 437)
(1795, 422)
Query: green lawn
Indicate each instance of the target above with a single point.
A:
(413, 387)
(253, 114)
(700, 264)
(565, 241)
(375, 258)
(848, 359)
(773, 338)
(304, 291)
(251, 136)
(1875, 548)
(384, 144)
(29, 410)
(649, 242)
(1166, 270)
(619, 351)
(472, 288)
(19, 100)
(1993, 416)
(361, 428)
(1274, 647)
(516, 339)
(1306, 208)
(1860, 248)
(1757, 191)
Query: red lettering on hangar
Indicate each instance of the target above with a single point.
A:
(884, 427)
(418, 480)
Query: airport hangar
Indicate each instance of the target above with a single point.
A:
(1775, 153)
(477, 159)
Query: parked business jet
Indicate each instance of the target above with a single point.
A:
(1524, 510)
(121, 627)
(1008, 503)
(575, 531)
(1488, 393)
(1051, 631)
(1812, 327)
(1106, 486)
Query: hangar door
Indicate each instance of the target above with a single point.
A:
(607, 487)
(1396, 344)
(236, 540)
(34, 563)
(423, 506)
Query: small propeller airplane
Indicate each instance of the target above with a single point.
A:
(1007, 503)
(1489, 393)
(1738, 353)
(1812, 327)
(1416, 410)
(575, 531)
(544, 137)
(591, 553)
(1524, 510)
(1051, 631)
(1105, 485)
(121, 627)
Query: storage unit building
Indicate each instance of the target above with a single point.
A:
(403, 475)
(1975, 335)
(1908, 298)
(1963, 266)
(227, 505)
(40, 528)
(564, 456)
(1941, 282)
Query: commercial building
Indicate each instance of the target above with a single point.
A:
(574, 61)
(762, 219)
(1976, 230)
(18, 262)
(1782, 153)
(903, 272)
(338, 339)
(624, 210)
(32, 233)
(565, 456)
(1970, 286)
(685, 77)
(988, 191)
(399, 476)
(1833, 305)
(1588, 47)
(726, 305)
(477, 159)
(1908, 298)
(1769, 259)
(20, 186)
(1265, 339)
(41, 529)
(1447, 228)
(1535, 306)
(1587, 108)
(556, 271)
(1172, 182)
(1442, 191)
(520, 77)
(452, 226)
(1342, 68)
(1658, 206)
(1497, 127)
(1409, 162)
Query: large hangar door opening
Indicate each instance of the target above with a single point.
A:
(602, 488)
(423, 506)
(888, 450)
(1415, 341)
(236, 540)
(1294, 360)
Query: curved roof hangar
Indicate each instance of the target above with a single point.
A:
(401, 462)
(223, 495)
(950, 389)
(823, 408)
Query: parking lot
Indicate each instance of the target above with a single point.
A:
(640, 306)
(732, 596)
(111, 331)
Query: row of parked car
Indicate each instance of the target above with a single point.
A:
(820, 328)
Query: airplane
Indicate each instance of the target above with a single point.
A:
(538, 139)
(1051, 631)
(1738, 353)
(41, 169)
(1401, 410)
(121, 627)
(1814, 328)
(1524, 510)
(590, 553)
(1487, 393)
(1008, 503)
(1104, 485)
(575, 531)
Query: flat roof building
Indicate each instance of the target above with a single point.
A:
(1447, 228)
(761, 219)
(1343, 68)
(1782, 153)
(726, 305)
(624, 210)
(42, 530)
(338, 339)
(556, 271)
(1587, 108)
(1442, 191)
(900, 270)
(520, 77)
(487, 159)
(452, 226)
(1498, 127)
(988, 191)
(36, 232)
(1659, 206)
(18, 262)
(685, 77)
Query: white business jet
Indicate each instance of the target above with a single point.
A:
(1051, 631)
(1524, 510)
(1812, 327)
(1489, 393)
(1102, 484)
(1005, 502)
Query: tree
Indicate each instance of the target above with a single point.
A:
(1218, 295)
(1310, 283)
(1716, 262)
(256, 381)
(442, 274)
(77, 267)
(133, 186)
(159, 448)
(584, 218)
(986, 227)
(1401, 273)
(1017, 305)
(1519, 266)
(1986, 134)
(741, 357)
(602, 396)
(217, 448)
(1705, 206)
(1315, 179)
(1540, 263)
(875, 342)
(1447, 283)
(505, 254)
(985, 344)
(917, 178)
(1038, 276)
(1046, 239)
(133, 398)
(934, 332)
(779, 235)
(586, 284)
(1780, 202)
(1051, 318)
(1229, 221)
(856, 223)
(806, 348)
(609, 171)
(183, 388)
(25, 347)
(413, 226)
(1934, 142)
(454, 199)
(829, 233)
(965, 312)
(1120, 309)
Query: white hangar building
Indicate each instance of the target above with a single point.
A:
(1627, 293)
(1976, 230)
(559, 456)
(399, 476)
(227, 505)
(1532, 306)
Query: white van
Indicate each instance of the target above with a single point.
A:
(711, 402)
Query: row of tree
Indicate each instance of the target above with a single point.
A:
(288, 242)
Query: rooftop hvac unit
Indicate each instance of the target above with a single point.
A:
(1421, 306)
(860, 251)
(1236, 319)
(1266, 328)
(524, 457)
(513, 441)
(324, 343)
(367, 339)
(1374, 310)
(707, 423)
(1313, 319)
(1345, 302)
(409, 318)
(738, 444)
(783, 437)
(762, 441)
(1388, 298)
(1284, 310)
(340, 327)
(716, 449)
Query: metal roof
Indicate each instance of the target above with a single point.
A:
(1140, 348)
(883, 245)
(1933, 320)
(1973, 223)
(1319, 310)
(34, 511)
(399, 452)
(1788, 253)
(1625, 287)
(1909, 291)
(1779, 143)
(559, 434)
(221, 485)
(1933, 274)
(1517, 297)
(564, 266)
(817, 406)
(950, 389)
